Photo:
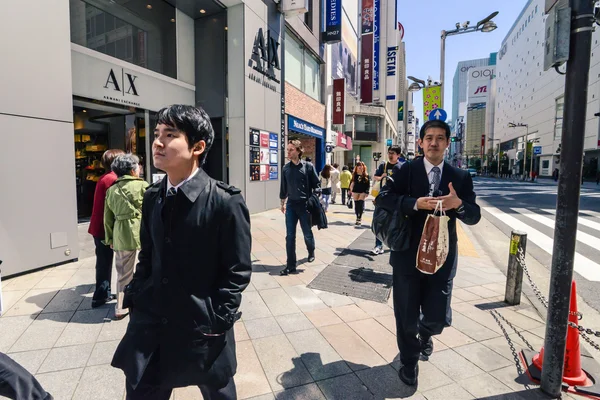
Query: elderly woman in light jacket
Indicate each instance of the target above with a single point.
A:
(122, 219)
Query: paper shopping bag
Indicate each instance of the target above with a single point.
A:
(434, 244)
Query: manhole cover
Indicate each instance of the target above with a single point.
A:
(356, 282)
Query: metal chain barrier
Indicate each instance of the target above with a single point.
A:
(536, 290)
(514, 329)
(520, 371)
(583, 332)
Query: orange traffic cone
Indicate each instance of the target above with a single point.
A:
(573, 375)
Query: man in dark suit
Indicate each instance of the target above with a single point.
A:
(422, 302)
(193, 265)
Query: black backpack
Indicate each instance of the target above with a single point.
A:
(390, 224)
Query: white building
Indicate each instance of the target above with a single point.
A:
(83, 76)
(528, 95)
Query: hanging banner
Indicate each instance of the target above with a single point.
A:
(367, 17)
(391, 69)
(400, 111)
(339, 112)
(431, 100)
(366, 69)
(366, 47)
(333, 21)
(376, 37)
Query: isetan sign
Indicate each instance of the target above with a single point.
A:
(339, 94)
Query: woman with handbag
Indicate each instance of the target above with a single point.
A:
(326, 185)
(359, 189)
(122, 219)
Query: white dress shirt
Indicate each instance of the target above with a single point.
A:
(428, 167)
(169, 185)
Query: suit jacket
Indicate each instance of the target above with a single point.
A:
(411, 181)
(193, 265)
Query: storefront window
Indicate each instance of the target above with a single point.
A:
(142, 34)
(302, 69)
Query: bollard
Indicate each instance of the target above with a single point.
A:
(514, 275)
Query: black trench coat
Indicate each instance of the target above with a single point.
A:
(193, 265)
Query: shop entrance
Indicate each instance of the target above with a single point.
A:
(100, 126)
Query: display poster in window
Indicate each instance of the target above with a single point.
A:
(255, 172)
(264, 139)
(264, 172)
(273, 159)
(264, 156)
(273, 141)
(273, 172)
(254, 137)
(254, 155)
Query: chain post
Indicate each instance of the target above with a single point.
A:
(514, 276)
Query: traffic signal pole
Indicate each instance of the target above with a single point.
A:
(567, 209)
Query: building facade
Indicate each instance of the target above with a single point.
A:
(528, 95)
(107, 68)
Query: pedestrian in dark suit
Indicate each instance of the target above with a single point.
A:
(193, 265)
(298, 181)
(422, 302)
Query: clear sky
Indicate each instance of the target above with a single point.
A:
(424, 20)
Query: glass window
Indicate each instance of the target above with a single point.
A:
(129, 31)
(302, 69)
(312, 77)
(293, 61)
(558, 118)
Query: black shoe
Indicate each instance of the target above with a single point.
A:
(409, 374)
(311, 257)
(99, 303)
(426, 347)
(287, 271)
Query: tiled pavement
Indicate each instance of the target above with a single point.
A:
(292, 342)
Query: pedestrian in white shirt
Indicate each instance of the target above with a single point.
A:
(335, 180)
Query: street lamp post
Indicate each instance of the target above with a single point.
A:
(520, 125)
(485, 25)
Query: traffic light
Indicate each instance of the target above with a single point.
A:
(453, 139)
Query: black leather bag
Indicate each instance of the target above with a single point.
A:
(390, 224)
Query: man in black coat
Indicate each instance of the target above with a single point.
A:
(193, 265)
(298, 181)
(421, 301)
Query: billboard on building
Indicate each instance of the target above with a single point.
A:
(344, 57)
(391, 72)
(479, 84)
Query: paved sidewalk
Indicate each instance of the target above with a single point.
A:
(292, 342)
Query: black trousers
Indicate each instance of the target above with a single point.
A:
(17, 383)
(421, 307)
(147, 389)
(344, 193)
(104, 261)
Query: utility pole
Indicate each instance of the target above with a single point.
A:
(567, 208)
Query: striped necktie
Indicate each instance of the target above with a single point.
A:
(171, 192)
(435, 180)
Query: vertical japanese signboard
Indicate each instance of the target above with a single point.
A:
(376, 37)
(400, 111)
(366, 62)
(333, 21)
(339, 113)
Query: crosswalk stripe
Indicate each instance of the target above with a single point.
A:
(592, 213)
(580, 220)
(582, 237)
(583, 265)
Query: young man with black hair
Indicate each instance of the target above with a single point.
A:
(193, 265)
(298, 180)
(422, 302)
(387, 169)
